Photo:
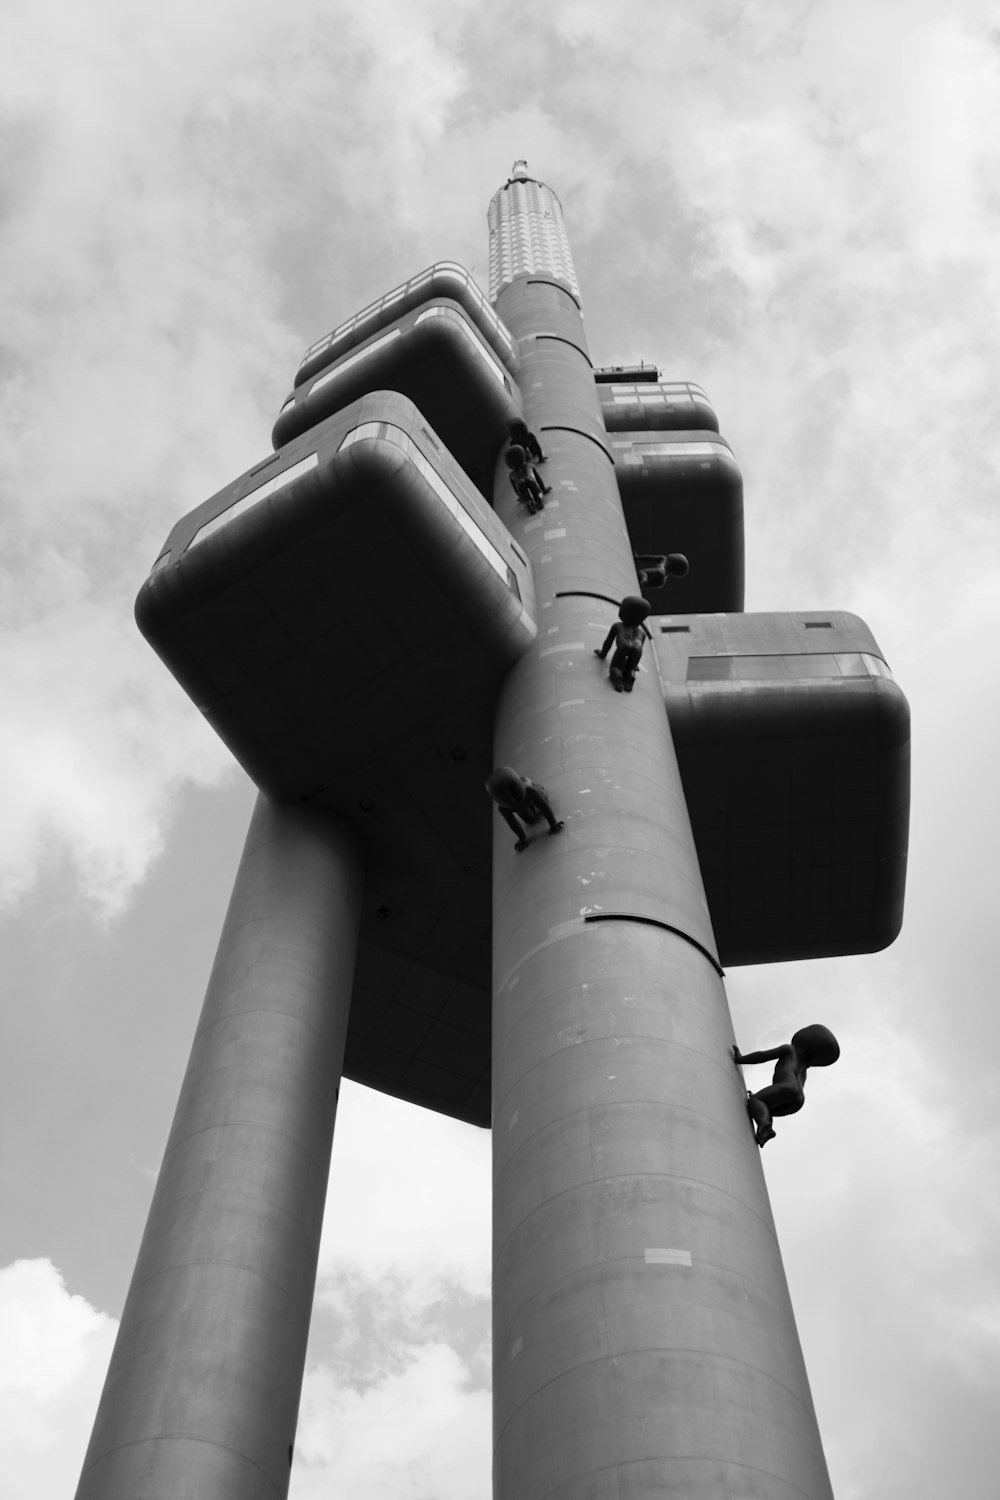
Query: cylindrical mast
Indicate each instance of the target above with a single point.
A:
(644, 1341)
(203, 1390)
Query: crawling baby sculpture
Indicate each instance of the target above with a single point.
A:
(519, 796)
(812, 1047)
(628, 635)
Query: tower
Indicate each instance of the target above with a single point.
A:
(372, 620)
(527, 234)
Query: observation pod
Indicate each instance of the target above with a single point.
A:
(445, 279)
(436, 358)
(793, 743)
(683, 492)
(343, 615)
(656, 406)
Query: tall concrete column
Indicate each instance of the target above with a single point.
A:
(644, 1341)
(202, 1395)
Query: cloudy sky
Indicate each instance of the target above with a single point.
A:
(795, 204)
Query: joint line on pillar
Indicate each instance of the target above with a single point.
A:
(559, 285)
(624, 916)
(586, 594)
(562, 427)
(561, 339)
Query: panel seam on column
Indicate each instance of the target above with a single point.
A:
(643, 1037)
(579, 924)
(181, 1265)
(560, 286)
(564, 427)
(182, 1437)
(560, 338)
(172, 1145)
(623, 1176)
(723, 1359)
(697, 1458)
(230, 1016)
(624, 916)
(587, 1109)
(585, 594)
(616, 1260)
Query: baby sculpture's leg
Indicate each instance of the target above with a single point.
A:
(761, 1116)
(618, 670)
(629, 665)
(538, 490)
(529, 492)
(543, 805)
(515, 828)
(777, 1099)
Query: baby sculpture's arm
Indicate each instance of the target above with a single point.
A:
(760, 1057)
(611, 638)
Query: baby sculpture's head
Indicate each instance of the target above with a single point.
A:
(505, 787)
(633, 609)
(817, 1046)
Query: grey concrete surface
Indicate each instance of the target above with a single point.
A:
(202, 1394)
(644, 1341)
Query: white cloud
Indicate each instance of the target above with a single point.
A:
(392, 1209)
(54, 1352)
(94, 735)
(420, 1433)
(160, 172)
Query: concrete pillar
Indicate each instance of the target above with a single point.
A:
(202, 1395)
(644, 1342)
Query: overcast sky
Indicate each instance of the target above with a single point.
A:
(796, 205)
